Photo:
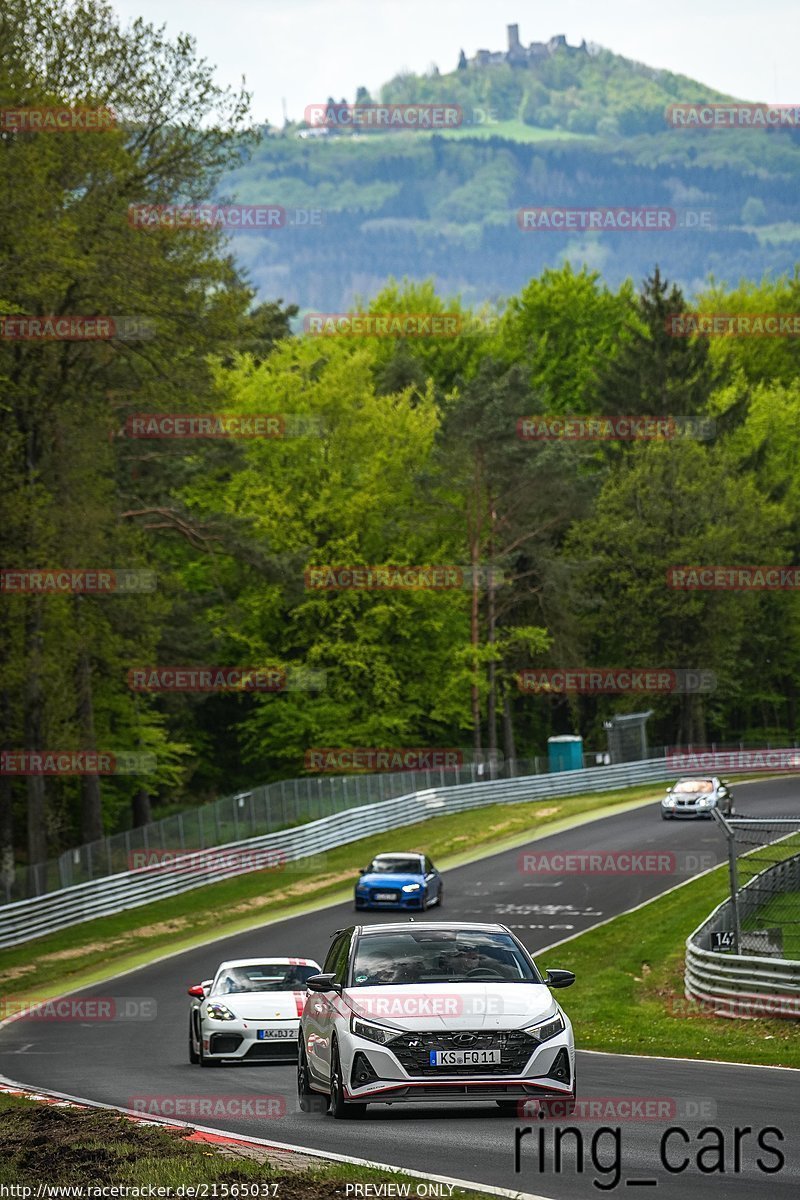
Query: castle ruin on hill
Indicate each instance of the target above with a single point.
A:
(518, 55)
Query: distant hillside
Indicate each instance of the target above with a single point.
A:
(552, 85)
(569, 126)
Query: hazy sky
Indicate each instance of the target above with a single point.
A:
(305, 50)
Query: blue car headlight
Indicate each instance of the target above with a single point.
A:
(411, 887)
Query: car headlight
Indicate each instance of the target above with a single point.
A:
(220, 1012)
(373, 1033)
(545, 1030)
(669, 802)
(703, 801)
(411, 887)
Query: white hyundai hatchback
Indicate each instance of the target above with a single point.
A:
(409, 1013)
(249, 1010)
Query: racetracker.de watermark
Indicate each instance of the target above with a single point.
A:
(76, 762)
(412, 117)
(708, 760)
(616, 862)
(754, 1005)
(699, 578)
(732, 116)
(641, 219)
(56, 120)
(733, 325)
(224, 1105)
(617, 1110)
(80, 1008)
(226, 426)
(96, 581)
(392, 578)
(224, 679)
(233, 218)
(388, 1003)
(203, 862)
(391, 758)
(74, 328)
(383, 324)
(551, 428)
(588, 680)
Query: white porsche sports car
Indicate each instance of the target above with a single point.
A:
(250, 1010)
(404, 1013)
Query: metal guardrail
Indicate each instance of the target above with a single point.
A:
(744, 985)
(265, 808)
(24, 920)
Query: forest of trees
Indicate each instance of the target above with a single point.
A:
(404, 451)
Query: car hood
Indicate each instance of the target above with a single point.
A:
(693, 795)
(431, 1007)
(379, 879)
(262, 1006)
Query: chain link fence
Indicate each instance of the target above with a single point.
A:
(266, 808)
(764, 873)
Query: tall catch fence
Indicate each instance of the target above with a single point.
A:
(252, 813)
(744, 960)
(270, 807)
(304, 844)
(764, 867)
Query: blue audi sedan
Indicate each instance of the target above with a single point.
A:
(399, 881)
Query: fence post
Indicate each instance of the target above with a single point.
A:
(733, 877)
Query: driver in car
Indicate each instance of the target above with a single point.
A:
(466, 959)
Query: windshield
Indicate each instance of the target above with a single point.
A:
(262, 977)
(439, 956)
(395, 866)
(694, 785)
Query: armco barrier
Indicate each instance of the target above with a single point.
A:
(27, 919)
(744, 985)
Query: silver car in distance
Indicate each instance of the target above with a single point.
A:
(433, 1011)
(695, 796)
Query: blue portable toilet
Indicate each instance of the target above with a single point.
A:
(565, 753)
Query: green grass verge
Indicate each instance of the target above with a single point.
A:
(629, 999)
(67, 1146)
(94, 950)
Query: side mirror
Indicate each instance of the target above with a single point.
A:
(196, 990)
(669, 789)
(559, 979)
(323, 983)
(362, 870)
(207, 985)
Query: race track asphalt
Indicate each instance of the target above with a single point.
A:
(116, 1061)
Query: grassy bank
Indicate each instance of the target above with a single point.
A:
(96, 949)
(628, 997)
(70, 1146)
